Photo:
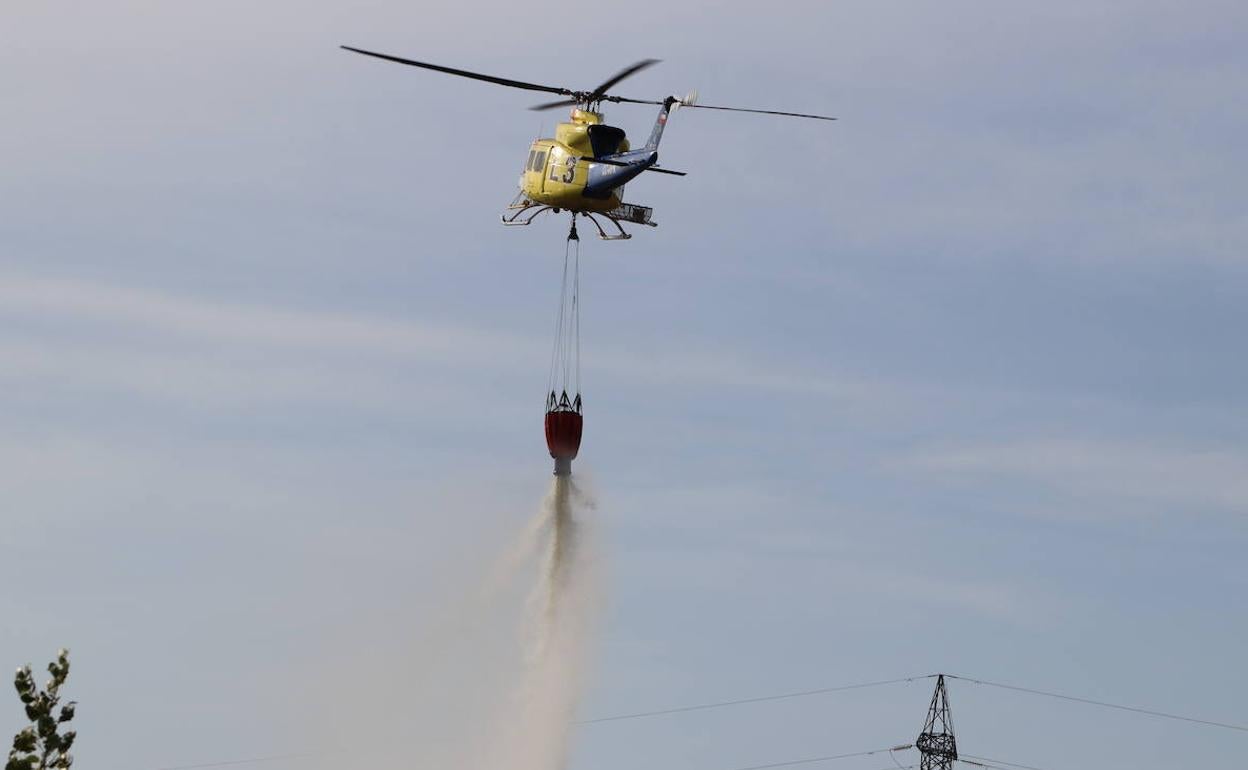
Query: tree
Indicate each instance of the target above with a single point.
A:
(41, 745)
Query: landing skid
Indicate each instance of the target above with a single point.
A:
(523, 211)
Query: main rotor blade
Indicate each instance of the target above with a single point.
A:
(464, 73)
(684, 105)
(552, 105)
(624, 73)
(761, 112)
(626, 100)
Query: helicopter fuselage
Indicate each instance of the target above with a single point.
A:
(584, 167)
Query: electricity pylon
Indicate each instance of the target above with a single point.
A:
(936, 744)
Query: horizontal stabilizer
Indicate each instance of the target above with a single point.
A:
(620, 163)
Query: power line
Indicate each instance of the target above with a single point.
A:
(743, 701)
(619, 717)
(893, 756)
(996, 762)
(789, 763)
(986, 765)
(829, 758)
(1075, 699)
(805, 694)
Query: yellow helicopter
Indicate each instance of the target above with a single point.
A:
(584, 167)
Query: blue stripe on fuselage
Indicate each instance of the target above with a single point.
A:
(605, 177)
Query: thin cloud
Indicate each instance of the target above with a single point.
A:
(1138, 476)
(114, 310)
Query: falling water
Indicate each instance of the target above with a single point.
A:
(493, 679)
(554, 637)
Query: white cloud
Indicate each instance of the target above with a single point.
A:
(218, 380)
(262, 353)
(1119, 473)
(251, 325)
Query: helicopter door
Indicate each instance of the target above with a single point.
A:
(552, 160)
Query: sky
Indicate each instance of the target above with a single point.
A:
(953, 384)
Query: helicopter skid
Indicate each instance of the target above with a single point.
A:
(522, 213)
(518, 216)
(618, 236)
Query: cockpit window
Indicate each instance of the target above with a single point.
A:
(539, 160)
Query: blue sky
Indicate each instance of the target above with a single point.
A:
(956, 383)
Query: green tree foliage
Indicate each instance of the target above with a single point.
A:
(42, 745)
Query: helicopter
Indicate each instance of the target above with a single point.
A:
(584, 167)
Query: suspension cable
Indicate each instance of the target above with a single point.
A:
(555, 360)
(576, 311)
(566, 352)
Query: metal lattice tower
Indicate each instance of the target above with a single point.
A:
(936, 744)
